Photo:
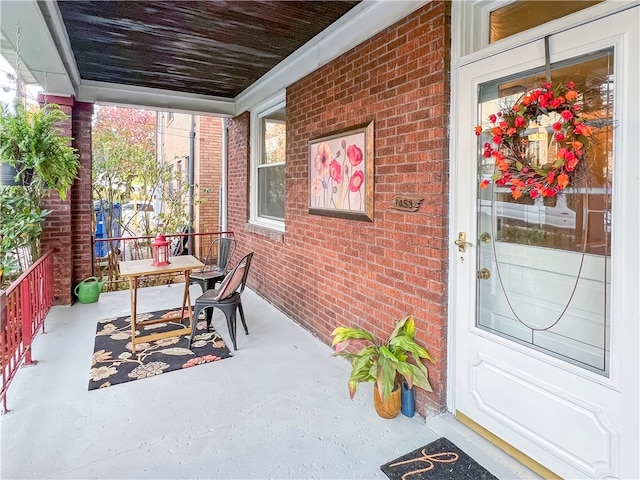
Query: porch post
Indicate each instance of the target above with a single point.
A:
(56, 231)
(68, 228)
(82, 196)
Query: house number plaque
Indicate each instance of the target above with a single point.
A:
(406, 203)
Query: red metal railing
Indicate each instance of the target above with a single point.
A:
(23, 308)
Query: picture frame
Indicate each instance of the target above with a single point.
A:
(341, 173)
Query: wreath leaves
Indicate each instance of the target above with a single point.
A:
(509, 132)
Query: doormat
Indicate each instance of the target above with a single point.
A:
(440, 460)
(113, 362)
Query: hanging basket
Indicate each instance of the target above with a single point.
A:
(8, 174)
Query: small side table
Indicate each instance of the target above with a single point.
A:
(134, 269)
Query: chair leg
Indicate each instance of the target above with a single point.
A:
(244, 324)
(193, 281)
(196, 313)
(209, 315)
(230, 314)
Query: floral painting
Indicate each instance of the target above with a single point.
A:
(341, 173)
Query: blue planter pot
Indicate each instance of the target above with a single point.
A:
(408, 401)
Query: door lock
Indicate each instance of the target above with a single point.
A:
(484, 274)
(462, 243)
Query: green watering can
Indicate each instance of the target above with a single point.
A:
(88, 290)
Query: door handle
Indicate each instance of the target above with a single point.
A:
(484, 274)
(462, 243)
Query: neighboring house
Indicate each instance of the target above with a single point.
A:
(175, 132)
(550, 371)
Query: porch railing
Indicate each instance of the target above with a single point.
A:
(137, 248)
(23, 308)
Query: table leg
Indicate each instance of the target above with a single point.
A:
(186, 299)
(133, 293)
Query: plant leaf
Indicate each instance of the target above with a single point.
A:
(420, 378)
(386, 375)
(408, 344)
(353, 386)
(341, 334)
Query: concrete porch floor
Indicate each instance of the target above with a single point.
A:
(279, 408)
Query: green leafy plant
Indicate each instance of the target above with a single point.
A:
(20, 229)
(384, 363)
(31, 141)
(125, 168)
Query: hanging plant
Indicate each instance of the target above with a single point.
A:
(31, 141)
(516, 165)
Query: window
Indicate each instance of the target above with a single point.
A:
(519, 16)
(498, 25)
(268, 173)
(179, 176)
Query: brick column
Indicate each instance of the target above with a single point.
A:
(208, 176)
(56, 231)
(68, 226)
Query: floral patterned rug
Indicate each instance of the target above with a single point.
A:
(113, 362)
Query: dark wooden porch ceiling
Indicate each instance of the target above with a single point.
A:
(213, 48)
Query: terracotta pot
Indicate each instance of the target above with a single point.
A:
(390, 408)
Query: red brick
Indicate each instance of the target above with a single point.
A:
(324, 271)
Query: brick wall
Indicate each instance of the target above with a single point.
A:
(238, 183)
(68, 227)
(208, 175)
(327, 271)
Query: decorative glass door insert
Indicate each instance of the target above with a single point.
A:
(543, 263)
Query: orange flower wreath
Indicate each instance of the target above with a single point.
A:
(514, 167)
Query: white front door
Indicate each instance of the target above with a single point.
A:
(545, 304)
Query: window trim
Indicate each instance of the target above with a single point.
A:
(470, 28)
(256, 143)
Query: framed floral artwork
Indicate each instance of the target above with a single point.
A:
(341, 173)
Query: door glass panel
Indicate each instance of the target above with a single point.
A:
(522, 15)
(548, 258)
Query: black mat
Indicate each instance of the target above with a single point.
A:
(440, 460)
(113, 362)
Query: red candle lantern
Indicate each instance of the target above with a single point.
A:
(160, 251)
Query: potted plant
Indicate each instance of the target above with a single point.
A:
(31, 142)
(386, 364)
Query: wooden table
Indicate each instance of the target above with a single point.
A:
(134, 269)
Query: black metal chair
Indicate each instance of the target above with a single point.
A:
(227, 298)
(220, 251)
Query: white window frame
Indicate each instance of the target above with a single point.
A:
(470, 27)
(266, 108)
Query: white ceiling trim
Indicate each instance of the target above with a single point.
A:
(53, 18)
(128, 95)
(38, 52)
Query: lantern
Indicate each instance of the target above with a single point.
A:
(160, 251)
